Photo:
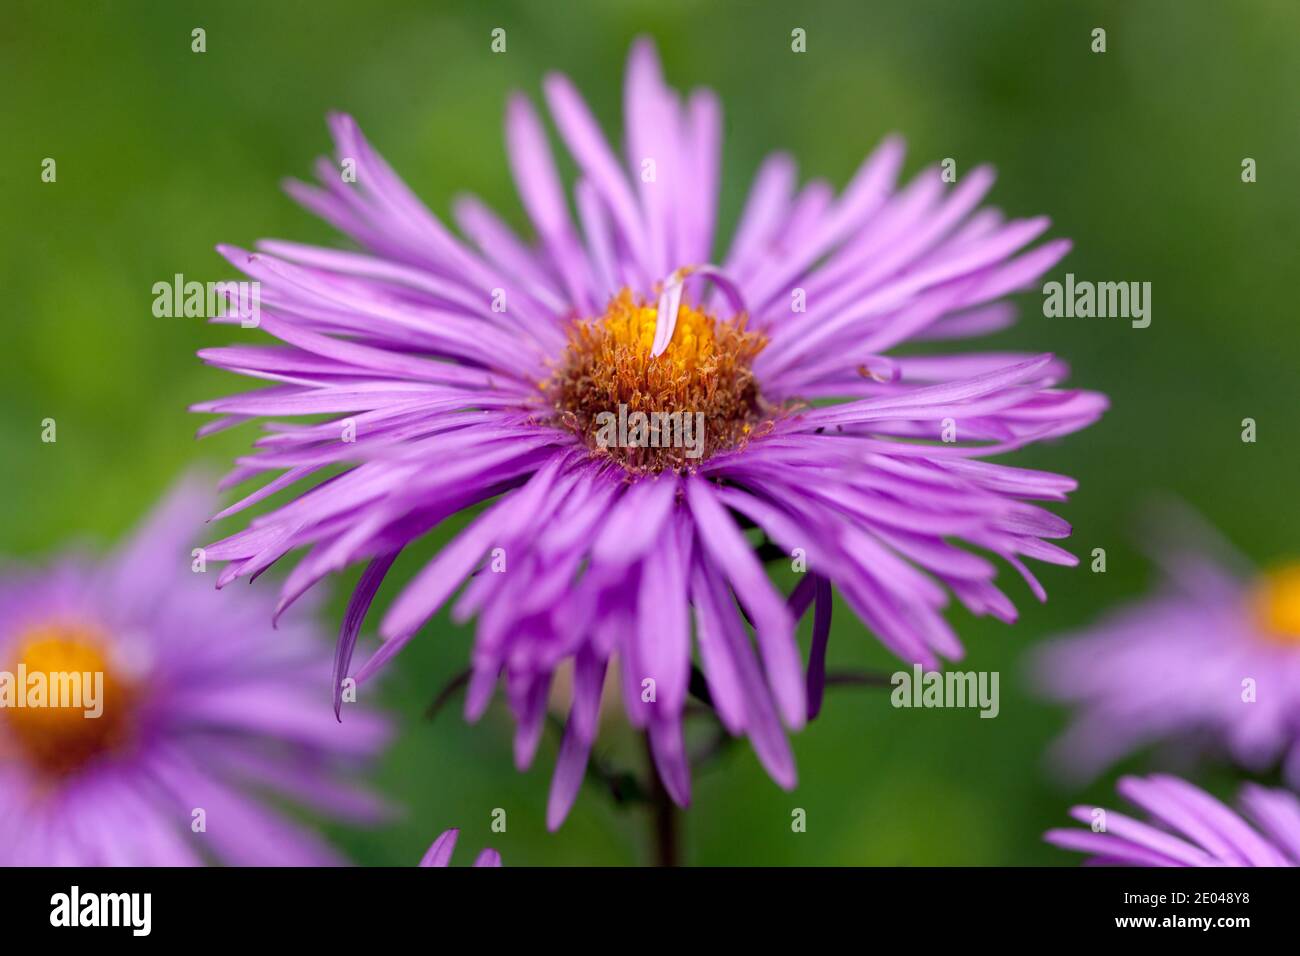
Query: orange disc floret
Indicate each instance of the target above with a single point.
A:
(663, 412)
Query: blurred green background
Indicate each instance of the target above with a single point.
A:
(1135, 154)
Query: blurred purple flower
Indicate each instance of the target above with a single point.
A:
(1212, 660)
(202, 705)
(484, 369)
(1188, 827)
(439, 854)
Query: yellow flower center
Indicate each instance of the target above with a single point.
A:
(60, 680)
(670, 411)
(1275, 602)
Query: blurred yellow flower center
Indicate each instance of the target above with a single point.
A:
(1276, 604)
(633, 326)
(64, 705)
(664, 412)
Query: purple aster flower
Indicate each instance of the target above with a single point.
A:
(199, 705)
(544, 377)
(1212, 661)
(439, 854)
(1188, 827)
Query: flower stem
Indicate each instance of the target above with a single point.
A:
(663, 816)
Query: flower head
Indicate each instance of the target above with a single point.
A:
(1212, 660)
(630, 412)
(1188, 827)
(139, 710)
(439, 853)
